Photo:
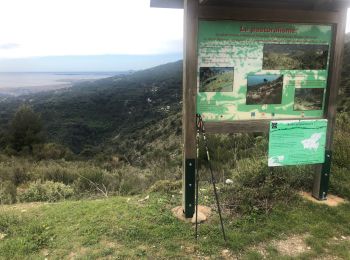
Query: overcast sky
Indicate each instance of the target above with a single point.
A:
(87, 27)
(39, 28)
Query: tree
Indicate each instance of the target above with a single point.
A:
(25, 128)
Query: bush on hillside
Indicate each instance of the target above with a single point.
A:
(342, 141)
(340, 171)
(7, 192)
(257, 188)
(14, 171)
(121, 181)
(45, 191)
(166, 186)
(340, 181)
(25, 129)
(55, 171)
(52, 151)
(131, 180)
(90, 180)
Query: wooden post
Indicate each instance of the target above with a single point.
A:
(189, 104)
(321, 177)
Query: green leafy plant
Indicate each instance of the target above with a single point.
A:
(45, 191)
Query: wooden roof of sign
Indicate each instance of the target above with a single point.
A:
(321, 5)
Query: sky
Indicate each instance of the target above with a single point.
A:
(31, 31)
(87, 27)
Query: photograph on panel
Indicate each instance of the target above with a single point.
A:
(264, 89)
(308, 99)
(216, 79)
(295, 57)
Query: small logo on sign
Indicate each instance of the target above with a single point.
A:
(274, 125)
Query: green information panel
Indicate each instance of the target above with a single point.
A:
(295, 142)
(255, 70)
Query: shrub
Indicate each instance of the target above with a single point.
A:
(14, 171)
(52, 151)
(166, 186)
(132, 180)
(342, 150)
(46, 191)
(342, 141)
(257, 188)
(25, 128)
(88, 179)
(340, 181)
(7, 192)
(56, 172)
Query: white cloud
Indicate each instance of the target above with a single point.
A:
(87, 27)
(9, 46)
(348, 21)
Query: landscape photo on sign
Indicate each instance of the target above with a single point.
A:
(308, 99)
(216, 79)
(264, 89)
(295, 56)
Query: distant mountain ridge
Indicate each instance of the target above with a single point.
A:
(108, 62)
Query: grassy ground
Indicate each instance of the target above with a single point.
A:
(124, 227)
(219, 83)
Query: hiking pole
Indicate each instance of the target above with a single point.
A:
(197, 172)
(212, 175)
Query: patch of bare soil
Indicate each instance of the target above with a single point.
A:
(341, 238)
(110, 244)
(203, 214)
(292, 246)
(228, 255)
(23, 207)
(327, 257)
(331, 200)
(77, 253)
(261, 249)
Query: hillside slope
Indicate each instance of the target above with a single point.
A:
(88, 114)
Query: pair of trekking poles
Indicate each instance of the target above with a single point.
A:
(201, 130)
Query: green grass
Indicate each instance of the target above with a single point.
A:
(122, 227)
(218, 83)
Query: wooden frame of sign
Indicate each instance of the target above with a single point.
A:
(310, 12)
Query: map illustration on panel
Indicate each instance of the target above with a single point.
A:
(262, 71)
(304, 142)
(216, 79)
(295, 57)
(308, 99)
(264, 89)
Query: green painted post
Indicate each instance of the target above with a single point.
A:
(321, 182)
(189, 187)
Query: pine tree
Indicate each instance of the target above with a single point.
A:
(25, 128)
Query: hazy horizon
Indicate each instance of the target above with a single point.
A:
(80, 35)
(86, 63)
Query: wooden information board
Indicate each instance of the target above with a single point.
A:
(250, 62)
(251, 70)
